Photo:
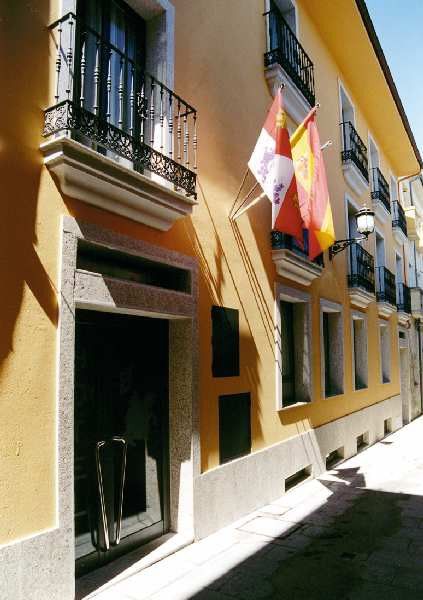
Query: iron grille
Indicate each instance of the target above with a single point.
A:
(380, 189)
(362, 271)
(354, 149)
(403, 298)
(398, 217)
(285, 49)
(385, 286)
(284, 241)
(106, 100)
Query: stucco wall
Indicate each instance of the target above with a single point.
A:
(219, 69)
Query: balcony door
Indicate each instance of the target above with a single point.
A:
(111, 60)
(121, 434)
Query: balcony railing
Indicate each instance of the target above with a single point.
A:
(354, 149)
(283, 241)
(385, 286)
(104, 99)
(403, 298)
(285, 50)
(398, 217)
(380, 189)
(362, 270)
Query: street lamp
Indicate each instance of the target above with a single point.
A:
(365, 218)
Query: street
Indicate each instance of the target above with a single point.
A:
(355, 533)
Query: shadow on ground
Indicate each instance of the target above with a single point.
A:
(360, 544)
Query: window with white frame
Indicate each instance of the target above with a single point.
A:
(293, 347)
(385, 351)
(359, 350)
(331, 348)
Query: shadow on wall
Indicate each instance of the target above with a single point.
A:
(24, 64)
(213, 278)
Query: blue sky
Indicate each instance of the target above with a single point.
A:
(399, 26)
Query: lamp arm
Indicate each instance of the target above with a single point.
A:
(340, 245)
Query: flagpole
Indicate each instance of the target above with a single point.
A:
(244, 200)
(252, 203)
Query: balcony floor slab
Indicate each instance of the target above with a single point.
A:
(354, 178)
(360, 297)
(84, 174)
(294, 267)
(385, 309)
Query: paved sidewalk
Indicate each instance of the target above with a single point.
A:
(354, 534)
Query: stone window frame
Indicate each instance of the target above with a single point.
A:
(290, 294)
(331, 307)
(385, 324)
(357, 315)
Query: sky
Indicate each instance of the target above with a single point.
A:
(399, 27)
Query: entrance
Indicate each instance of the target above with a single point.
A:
(121, 434)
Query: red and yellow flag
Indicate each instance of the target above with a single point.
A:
(312, 188)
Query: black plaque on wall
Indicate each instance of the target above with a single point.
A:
(225, 342)
(234, 426)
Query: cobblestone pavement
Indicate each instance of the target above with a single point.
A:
(356, 533)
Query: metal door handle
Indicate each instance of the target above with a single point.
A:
(122, 485)
(101, 497)
(100, 484)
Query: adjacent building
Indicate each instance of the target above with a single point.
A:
(164, 367)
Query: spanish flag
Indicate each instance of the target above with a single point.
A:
(312, 188)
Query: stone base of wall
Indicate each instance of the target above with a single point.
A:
(224, 494)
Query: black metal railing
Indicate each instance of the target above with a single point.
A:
(385, 286)
(285, 49)
(105, 99)
(403, 298)
(362, 269)
(380, 189)
(283, 241)
(354, 149)
(398, 217)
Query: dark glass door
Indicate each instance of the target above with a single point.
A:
(121, 434)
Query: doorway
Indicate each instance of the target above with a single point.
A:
(121, 434)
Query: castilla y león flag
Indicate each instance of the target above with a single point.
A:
(312, 186)
(272, 166)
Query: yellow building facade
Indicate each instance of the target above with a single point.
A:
(165, 367)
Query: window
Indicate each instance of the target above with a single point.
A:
(129, 267)
(293, 347)
(287, 10)
(347, 109)
(374, 155)
(380, 250)
(119, 60)
(385, 352)
(332, 349)
(225, 342)
(359, 341)
(234, 426)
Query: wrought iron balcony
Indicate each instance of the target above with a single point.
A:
(354, 149)
(403, 298)
(283, 241)
(380, 189)
(398, 217)
(285, 50)
(362, 270)
(105, 100)
(385, 286)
